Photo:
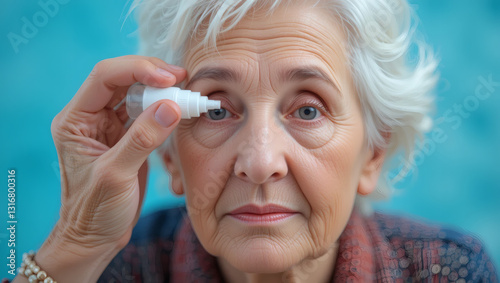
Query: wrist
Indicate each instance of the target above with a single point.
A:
(67, 261)
(69, 267)
(31, 270)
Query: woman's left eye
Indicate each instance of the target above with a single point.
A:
(218, 114)
(307, 113)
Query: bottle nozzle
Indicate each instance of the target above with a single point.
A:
(213, 104)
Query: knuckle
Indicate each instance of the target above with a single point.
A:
(142, 138)
(129, 56)
(56, 125)
(100, 68)
(147, 68)
(142, 64)
(157, 61)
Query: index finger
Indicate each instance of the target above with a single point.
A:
(110, 74)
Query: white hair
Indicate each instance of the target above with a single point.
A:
(393, 80)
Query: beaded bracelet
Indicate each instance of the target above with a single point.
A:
(32, 271)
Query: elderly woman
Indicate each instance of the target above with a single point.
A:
(315, 96)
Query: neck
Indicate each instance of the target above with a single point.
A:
(310, 270)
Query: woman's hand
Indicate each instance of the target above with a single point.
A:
(103, 164)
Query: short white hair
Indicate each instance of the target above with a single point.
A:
(394, 73)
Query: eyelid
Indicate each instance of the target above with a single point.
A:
(315, 102)
(206, 117)
(318, 113)
(224, 104)
(310, 102)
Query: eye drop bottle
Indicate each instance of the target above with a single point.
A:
(140, 97)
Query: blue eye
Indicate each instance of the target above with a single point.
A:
(307, 113)
(219, 114)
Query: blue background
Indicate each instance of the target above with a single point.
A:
(458, 181)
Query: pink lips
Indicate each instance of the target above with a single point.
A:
(264, 215)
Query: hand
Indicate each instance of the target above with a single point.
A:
(103, 164)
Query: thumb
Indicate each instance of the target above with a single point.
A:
(147, 132)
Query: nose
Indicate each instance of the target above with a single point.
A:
(261, 155)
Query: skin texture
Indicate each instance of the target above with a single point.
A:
(263, 152)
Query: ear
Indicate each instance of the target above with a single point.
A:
(170, 160)
(371, 170)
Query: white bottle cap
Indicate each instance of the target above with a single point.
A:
(140, 97)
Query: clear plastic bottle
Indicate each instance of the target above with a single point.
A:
(192, 104)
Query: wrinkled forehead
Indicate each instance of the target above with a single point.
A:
(292, 34)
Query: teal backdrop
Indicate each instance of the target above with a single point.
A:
(458, 177)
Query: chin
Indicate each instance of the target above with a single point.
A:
(263, 257)
(258, 266)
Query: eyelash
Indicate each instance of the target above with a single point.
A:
(314, 103)
(224, 104)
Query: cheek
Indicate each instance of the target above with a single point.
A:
(209, 134)
(311, 136)
(202, 172)
(328, 177)
(335, 166)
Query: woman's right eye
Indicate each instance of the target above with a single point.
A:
(218, 114)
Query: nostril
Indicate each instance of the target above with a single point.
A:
(242, 175)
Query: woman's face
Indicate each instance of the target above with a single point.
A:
(270, 180)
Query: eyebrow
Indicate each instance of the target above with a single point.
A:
(228, 75)
(217, 74)
(308, 72)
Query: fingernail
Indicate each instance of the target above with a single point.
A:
(175, 68)
(165, 116)
(165, 73)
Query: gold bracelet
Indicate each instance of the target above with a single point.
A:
(32, 271)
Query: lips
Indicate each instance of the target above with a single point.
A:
(262, 214)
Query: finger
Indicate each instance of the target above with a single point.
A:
(108, 75)
(120, 93)
(148, 132)
(118, 97)
(142, 178)
(179, 72)
(122, 114)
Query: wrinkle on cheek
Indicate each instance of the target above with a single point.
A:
(321, 222)
(212, 137)
(348, 138)
(183, 136)
(312, 137)
(334, 132)
(331, 215)
(206, 136)
(202, 195)
(331, 195)
(204, 176)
